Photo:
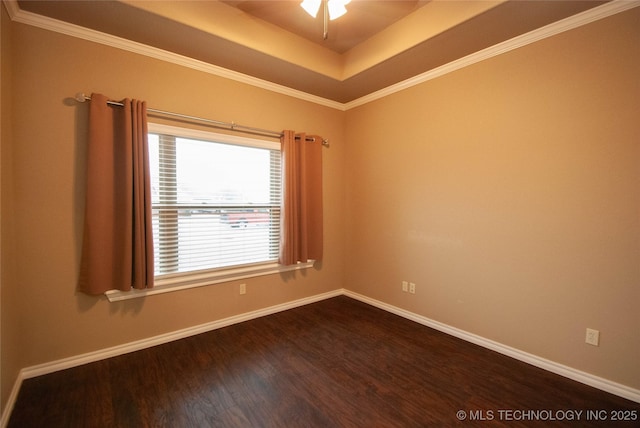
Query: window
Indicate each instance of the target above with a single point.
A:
(215, 200)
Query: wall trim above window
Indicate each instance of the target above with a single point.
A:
(178, 282)
(184, 131)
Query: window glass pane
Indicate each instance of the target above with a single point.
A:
(214, 204)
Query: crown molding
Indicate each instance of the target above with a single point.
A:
(578, 20)
(46, 23)
(600, 12)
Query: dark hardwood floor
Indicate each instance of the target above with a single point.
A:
(336, 363)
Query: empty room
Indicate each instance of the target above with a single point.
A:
(320, 213)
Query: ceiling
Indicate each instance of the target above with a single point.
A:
(375, 45)
(364, 19)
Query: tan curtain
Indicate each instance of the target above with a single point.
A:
(117, 249)
(301, 230)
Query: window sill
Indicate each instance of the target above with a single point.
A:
(183, 282)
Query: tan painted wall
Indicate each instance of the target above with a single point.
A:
(48, 159)
(508, 191)
(9, 321)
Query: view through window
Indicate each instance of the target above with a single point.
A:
(215, 200)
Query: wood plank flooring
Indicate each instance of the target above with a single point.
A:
(336, 363)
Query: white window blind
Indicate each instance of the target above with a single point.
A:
(215, 200)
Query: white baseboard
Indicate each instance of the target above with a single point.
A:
(13, 396)
(65, 363)
(553, 367)
(90, 357)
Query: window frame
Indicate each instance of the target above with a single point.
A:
(165, 283)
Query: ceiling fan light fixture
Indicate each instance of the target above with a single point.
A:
(332, 9)
(337, 8)
(311, 6)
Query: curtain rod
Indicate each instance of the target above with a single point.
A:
(231, 126)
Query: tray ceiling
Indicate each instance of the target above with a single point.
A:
(364, 19)
(375, 45)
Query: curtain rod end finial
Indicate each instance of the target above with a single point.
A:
(80, 97)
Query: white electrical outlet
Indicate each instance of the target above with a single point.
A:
(412, 288)
(405, 286)
(243, 288)
(592, 337)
